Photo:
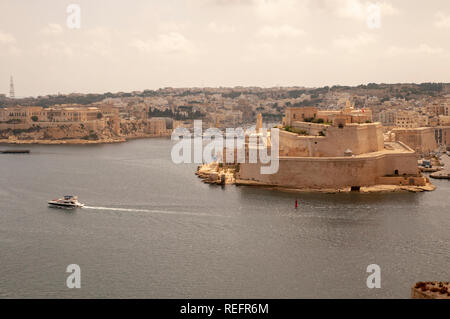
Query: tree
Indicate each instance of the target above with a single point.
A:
(34, 118)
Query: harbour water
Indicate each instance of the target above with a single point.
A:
(152, 229)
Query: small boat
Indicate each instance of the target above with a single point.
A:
(68, 201)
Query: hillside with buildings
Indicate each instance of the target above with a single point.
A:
(95, 123)
(416, 114)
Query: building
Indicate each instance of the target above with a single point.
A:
(90, 118)
(157, 126)
(387, 117)
(437, 107)
(64, 113)
(410, 119)
(442, 136)
(311, 114)
(19, 114)
(340, 155)
(422, 139)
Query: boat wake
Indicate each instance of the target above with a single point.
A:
(117, 209)
(153, 211)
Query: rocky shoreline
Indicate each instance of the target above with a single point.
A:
(59, 142)
(221, 174)
(74, 141)
(215, 174)
(444, 173)
(441, 175)
(431, 290)
(364, 190)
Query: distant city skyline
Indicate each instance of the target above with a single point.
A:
(210, 43)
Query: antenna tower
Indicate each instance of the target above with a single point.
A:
(11, 88)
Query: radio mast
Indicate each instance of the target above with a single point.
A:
(11, 88)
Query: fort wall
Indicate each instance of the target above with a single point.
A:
(422, 140)
(333, 172)
(358, 138)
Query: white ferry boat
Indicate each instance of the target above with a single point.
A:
(68, 201)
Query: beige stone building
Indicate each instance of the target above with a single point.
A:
(442, 135)
(410, 119)
(20, 114)
(63, 113)
(342, 155)
(444, 120)
(387, 117)
(422, 139)
(71, 114)
(311, 114)
(438, 107)
(318, 140)
(71, 120)
(157, 127)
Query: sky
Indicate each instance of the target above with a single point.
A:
(122, 46)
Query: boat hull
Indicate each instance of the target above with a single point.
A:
(64, 205)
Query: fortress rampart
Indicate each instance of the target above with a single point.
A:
(358, 138)
(337, 172)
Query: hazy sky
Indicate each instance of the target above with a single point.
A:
(147, 44)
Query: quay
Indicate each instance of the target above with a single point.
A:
(441, 175)
(15, 152)
(445, 173)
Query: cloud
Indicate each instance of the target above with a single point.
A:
(278, 9)
(422, 49)
(357, 9)
(228, 2)
(352, 9)
(212, 26)
(90, 43)
(56, 49)
(99, 33)
(388, 9)
(172, 42)
(267, 9)
(8, 44)
(442, 20)
(310, 50)
(280, 31)
(52, 29)
(425, 48)
(352, 44)
(6, 38)
(172, 27)
(71, 50)
(293, 51)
